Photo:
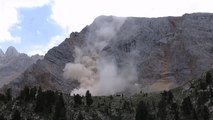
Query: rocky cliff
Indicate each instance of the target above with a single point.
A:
(168, 50)
(165, 51)
(13, 64)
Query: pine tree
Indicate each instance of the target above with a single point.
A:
(175, 111)
(45, 101)
(33, 93)
(49, 100)
(60, 110)
(170, 97)
(162, 106)
(205, 113)
(187, 107)
(2, 117)
(2, 97)
(77, 99)
(16, 115)
(8, 94)
(162, 112)
(208, 78)
(39, 102)
(89, 100)
(80, 116)
(25, 94)
(142, 112)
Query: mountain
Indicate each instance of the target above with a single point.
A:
(1, 53)
(11, 52)
(164, 52)
(170, 50)
(13, 64)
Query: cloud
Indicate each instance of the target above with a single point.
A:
(36, 49)
(56, 40)
(9, 16)
(73, 15)
(42, 49)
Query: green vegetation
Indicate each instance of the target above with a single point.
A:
(192, 101)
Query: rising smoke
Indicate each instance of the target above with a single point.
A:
(95, 72)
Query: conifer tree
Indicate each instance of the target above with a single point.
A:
(89, 100)
(16, 115)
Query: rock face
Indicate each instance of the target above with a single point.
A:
(11, 52)
(168, 49)
(1, 53)
(13, 64)
(173, 49)
(47, 72)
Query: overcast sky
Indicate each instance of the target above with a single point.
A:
(34, 26)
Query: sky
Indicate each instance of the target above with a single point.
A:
(35, 26)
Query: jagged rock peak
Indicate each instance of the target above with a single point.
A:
(11, 51)
(1, 52)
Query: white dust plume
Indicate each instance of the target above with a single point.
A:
(97, 73)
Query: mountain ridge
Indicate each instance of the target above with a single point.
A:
(13, 64)
(172, 49)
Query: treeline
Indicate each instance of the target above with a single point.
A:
(48, 104)
(6, 97)
(193, 106)
(45, 103)
(78, 99)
